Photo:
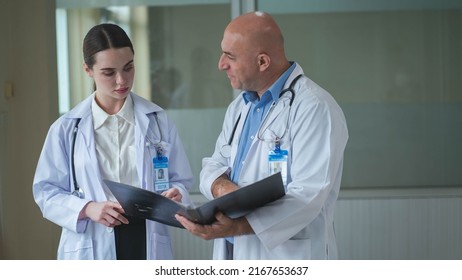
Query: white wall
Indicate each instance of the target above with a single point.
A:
(28, 60)
(400, 225)
(391, 227)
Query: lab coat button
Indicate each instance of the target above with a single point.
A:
(109, 229)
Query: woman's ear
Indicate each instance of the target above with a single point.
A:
(87, 70)
(263, 61)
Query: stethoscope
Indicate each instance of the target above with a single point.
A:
(225, 150)
(157, 146)
(78, 192)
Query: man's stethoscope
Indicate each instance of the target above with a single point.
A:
(225, 150)
(78, 192)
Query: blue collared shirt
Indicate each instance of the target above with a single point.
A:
(259, 107)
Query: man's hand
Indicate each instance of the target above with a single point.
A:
(223, 185)
(174, 194)
(108, 213)
(222, 227)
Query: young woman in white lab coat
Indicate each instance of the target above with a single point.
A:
(120, 152)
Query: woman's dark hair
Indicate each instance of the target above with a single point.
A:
(101, 37)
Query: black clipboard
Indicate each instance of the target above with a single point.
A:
(145, 204)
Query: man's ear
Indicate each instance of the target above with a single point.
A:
(87, 70)
(263, 61)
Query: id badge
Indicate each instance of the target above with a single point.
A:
(160, 164)
(277, 162)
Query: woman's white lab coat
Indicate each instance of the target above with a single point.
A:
(300, 225)
(52, 187)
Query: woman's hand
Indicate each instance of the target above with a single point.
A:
(108, 213)
(174, 194)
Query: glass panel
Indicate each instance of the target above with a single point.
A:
(176, 56)
(185, 48)
(395, 67)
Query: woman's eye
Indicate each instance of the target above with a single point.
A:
(108, 74)
(128, 68)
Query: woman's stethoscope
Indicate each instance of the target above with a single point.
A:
(225, 150)
(78, 192)
(157, 145)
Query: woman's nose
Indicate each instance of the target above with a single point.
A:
(120, 79)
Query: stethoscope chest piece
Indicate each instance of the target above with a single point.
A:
(78, 193)
(226, 151)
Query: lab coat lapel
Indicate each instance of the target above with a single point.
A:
(280, 106)
(267, 123)
(244, 111)
(83, 112)
(141, 129)
(88, 136)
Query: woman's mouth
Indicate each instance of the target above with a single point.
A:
(121, 90)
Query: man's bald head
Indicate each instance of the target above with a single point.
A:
(260, 31)
(253, 52)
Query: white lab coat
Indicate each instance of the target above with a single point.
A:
(85, 239)
(299, 225)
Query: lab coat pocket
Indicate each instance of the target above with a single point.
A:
(81, 250)
(162, 247)
(291, 249)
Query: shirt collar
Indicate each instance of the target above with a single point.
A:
(100, 116)
(274, 89)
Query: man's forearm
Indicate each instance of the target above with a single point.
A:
(223, 185)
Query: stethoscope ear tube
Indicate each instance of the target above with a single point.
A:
(77, 192)
(291, 89)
